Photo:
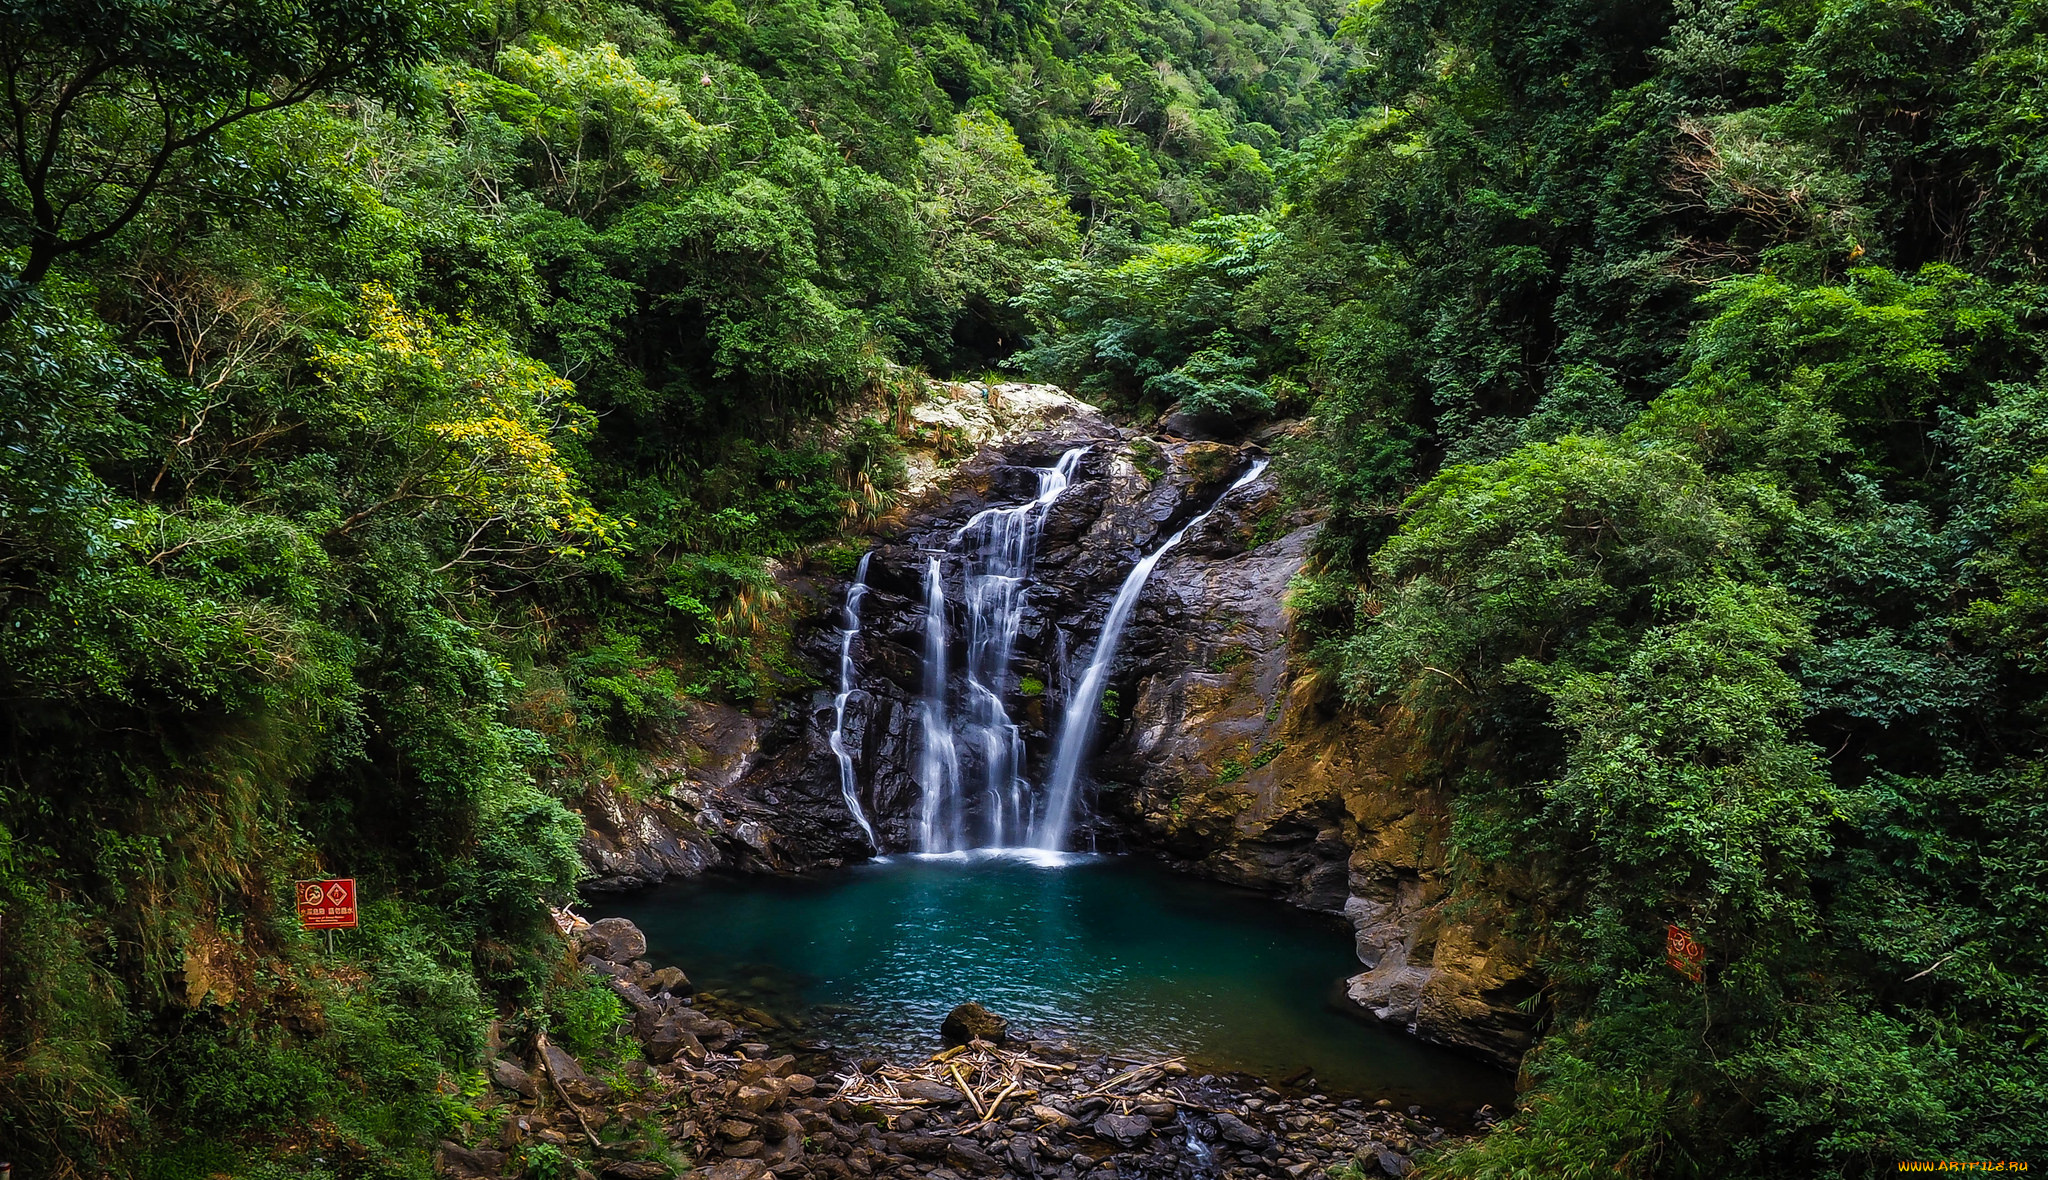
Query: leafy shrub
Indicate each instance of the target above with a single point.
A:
(587, 1017)
(543, 1161)
(1581, 1124)
(618, 685)
(1213, 385)
(229, 1078)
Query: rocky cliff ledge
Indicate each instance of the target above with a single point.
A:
(1220, 750)
(1239, 761)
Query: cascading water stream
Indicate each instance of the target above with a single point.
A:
(1077, 728)
(1003, 542)
(940, 825)
(847, 635)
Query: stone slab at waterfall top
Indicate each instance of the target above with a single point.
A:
(980, 415)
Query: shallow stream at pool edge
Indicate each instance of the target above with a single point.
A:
(1114, 953)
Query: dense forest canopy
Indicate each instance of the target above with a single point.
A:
(404, 403)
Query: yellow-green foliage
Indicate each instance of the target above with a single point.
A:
(474, 424)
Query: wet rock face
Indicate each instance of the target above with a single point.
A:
(1127, 495)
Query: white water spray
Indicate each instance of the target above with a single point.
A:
(1084, 706)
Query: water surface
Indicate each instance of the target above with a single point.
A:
(1113, 952)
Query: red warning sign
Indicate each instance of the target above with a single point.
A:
(328, 905)
(1684, 953)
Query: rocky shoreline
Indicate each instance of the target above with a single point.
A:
(716, 1095)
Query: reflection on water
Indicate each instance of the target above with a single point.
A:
(1113, 952)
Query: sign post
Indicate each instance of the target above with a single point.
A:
(328, 905)
(1684, 953)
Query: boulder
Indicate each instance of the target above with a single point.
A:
(1023, 1156)
(570, 1078)
(643, 1006)
(708, 1028)
(565, 1069)
(1126, 1129)
(783, 1155)
(758, 1098)
(1051, 1117)
(1161, 1113)
(453, 1159)
(508, 1074)
(1181, 423)
(597, 966)
(615, 940)
(769, 1067)
(670, 981)
(972, 1022)
(1237, 1131)
(931, 1092)
(965, 1153)
(637, 1170)
(737, 1170)
(672, 1038)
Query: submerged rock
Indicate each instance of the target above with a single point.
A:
(972, 1022)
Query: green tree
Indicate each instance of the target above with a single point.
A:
(106, 103)
(989, 216)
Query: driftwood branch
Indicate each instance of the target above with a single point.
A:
(987, 1077)
(542, 1043)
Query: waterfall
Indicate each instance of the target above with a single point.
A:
(940, 826)
(1003, 542)
(999, 545)
(1077, 728)
(847, 635)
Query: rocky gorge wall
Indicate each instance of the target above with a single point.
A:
(1219, 750)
